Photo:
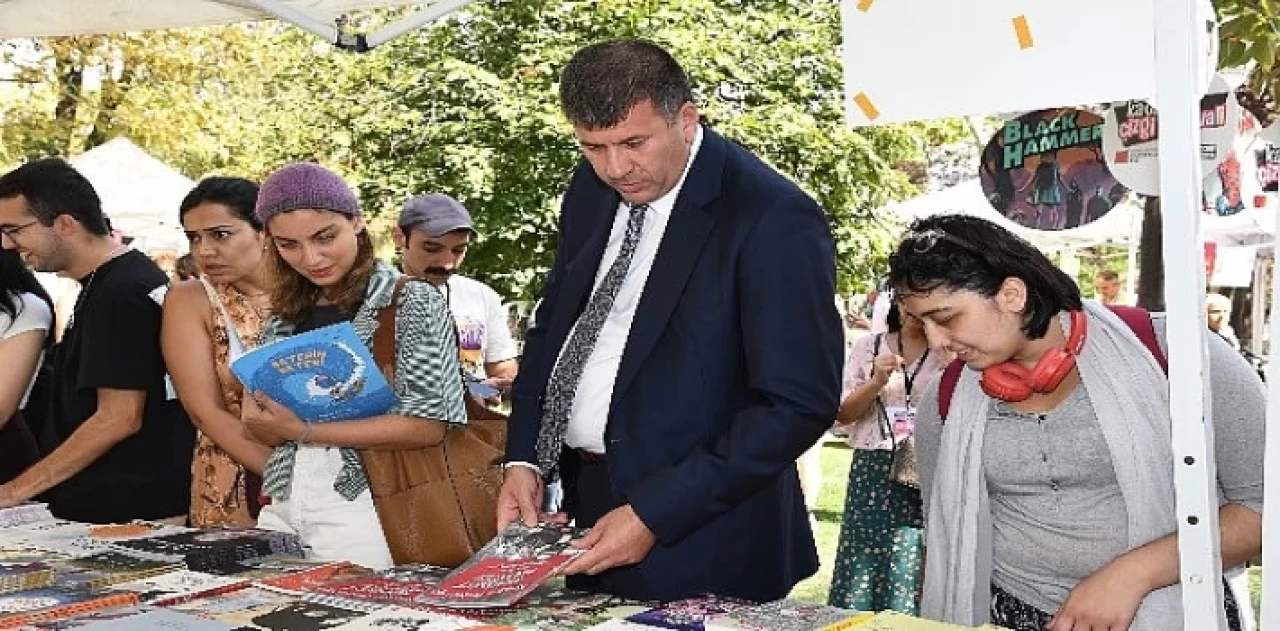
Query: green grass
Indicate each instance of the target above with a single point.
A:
(836, 458)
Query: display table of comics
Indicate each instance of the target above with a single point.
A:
(140, 576)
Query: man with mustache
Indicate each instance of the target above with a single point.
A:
(434, 232)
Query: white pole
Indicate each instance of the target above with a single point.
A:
(415, 21)
(1179, 38)
(1131, 260)
(1271, 482)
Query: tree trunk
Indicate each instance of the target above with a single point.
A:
(1151, 257)
(113, 93)
(68, 71)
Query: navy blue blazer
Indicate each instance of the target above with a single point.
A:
(731, 371)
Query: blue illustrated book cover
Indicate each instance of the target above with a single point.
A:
(322, 375)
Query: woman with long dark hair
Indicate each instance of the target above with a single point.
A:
(1046, 461)
(209, 321)
(26, 317)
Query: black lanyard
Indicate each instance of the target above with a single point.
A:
(910, 377)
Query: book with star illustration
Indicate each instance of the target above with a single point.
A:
(327, 374)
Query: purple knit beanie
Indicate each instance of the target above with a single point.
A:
(304, 185)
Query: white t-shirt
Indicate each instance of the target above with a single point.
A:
(33, 315)
(483, 333)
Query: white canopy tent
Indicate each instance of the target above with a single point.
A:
(1116, 227)
(32, 18)
(139, 193)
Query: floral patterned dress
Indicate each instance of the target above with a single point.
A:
(878, 559)
(222, 491)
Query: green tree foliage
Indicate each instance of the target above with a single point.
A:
(469, 107)
(1248, 34)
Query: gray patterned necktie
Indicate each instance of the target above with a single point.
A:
(563, 384)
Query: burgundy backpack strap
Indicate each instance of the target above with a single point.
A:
(1139, 320)
(947, 387)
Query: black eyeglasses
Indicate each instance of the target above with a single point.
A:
(13, 232)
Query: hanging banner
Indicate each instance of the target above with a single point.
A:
(1131, 140)
(1046, 170)
(1268, 160)
(1233, 184)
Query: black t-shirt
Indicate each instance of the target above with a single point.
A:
(114, 342)
(320, 316)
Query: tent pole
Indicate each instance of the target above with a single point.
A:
(1179, 39)
(1131, 259)
(299, 18)
(414, 21)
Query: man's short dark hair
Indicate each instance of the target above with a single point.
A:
(603, 81)
(1109, 275)
(51, 188)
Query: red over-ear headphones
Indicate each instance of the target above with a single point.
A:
(1013, 383)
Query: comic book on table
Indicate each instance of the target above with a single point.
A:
(507, 568)
(326, 374)
(787, 615)
(215, 550)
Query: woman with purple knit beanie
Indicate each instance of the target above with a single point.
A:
(326, 273)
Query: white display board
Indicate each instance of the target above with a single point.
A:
(908, 60)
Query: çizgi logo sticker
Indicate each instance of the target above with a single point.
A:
(1131, 139)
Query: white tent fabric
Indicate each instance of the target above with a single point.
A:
(139, 193)
(1118, 226)
(32, 18)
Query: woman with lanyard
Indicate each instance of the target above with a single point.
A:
(878, 561)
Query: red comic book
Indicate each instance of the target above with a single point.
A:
(506, 569)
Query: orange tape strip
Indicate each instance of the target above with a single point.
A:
(868, 108)
(1023, 31)
(865, 5)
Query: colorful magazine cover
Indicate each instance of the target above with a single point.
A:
(15, 577)
(215, 550)
(52, 603)
(308, 580)
(787, 615)
(575, 614)
(327, 374)
(253, 609)
(506, 569)
(181, 585)
(166, 619)
(689, 614)
(107, 568)
(406, 619)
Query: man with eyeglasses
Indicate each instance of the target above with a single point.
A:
(121, 449)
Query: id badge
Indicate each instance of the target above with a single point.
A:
(902, 421)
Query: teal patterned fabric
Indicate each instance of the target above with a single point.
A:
(428, 382)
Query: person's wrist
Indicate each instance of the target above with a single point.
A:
(303, 437)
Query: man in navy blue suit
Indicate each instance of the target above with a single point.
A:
(687, 349)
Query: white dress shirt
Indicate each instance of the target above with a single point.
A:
(595, 391)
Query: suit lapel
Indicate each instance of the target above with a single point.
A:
(690, 223)
(582, 272)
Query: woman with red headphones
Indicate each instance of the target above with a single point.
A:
(1044, 454)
